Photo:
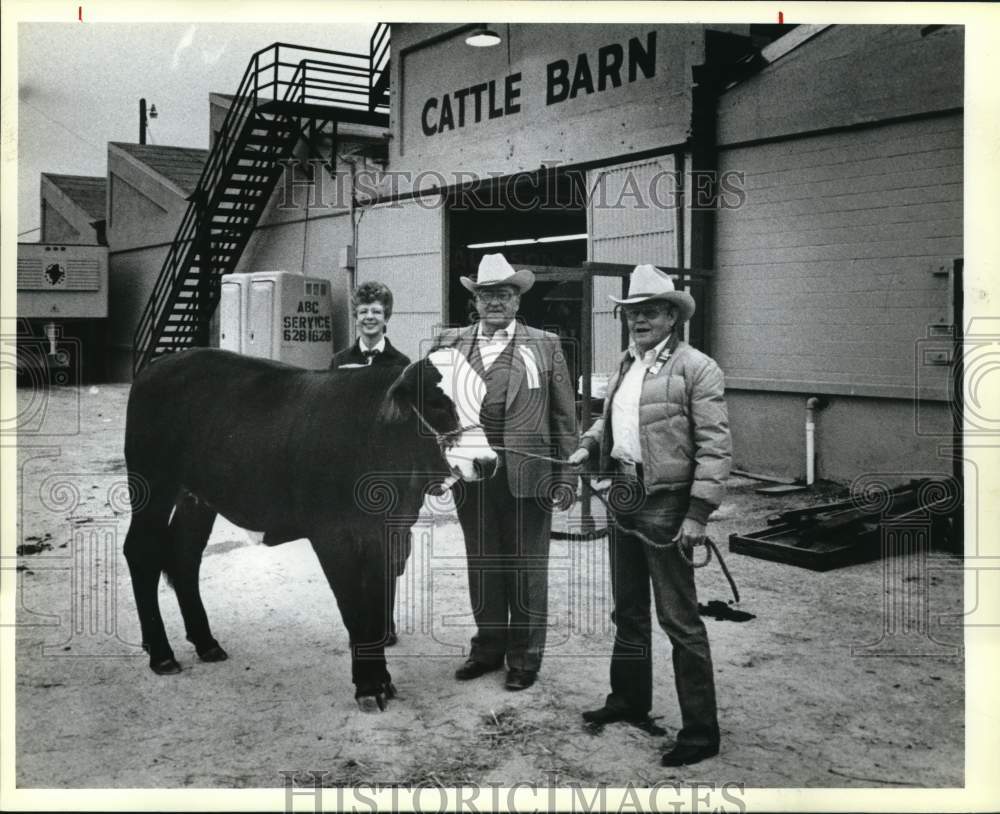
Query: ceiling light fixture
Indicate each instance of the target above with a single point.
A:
(483, 37)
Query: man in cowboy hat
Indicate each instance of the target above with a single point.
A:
(665, 435)
(530, 410)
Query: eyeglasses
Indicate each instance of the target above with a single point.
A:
(495, 296)
(646, 311)
(370, 310)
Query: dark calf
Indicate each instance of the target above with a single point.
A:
(282, 450)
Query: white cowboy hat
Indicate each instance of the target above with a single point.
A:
(649, 283)
(495, 270)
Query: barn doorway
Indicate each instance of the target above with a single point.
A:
(537, 221)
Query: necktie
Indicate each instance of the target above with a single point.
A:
(369, 355)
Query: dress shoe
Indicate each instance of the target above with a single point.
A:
(473, 669)
(519, 679)
(686, 754)
(609, 715)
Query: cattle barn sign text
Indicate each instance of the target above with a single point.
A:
(609, 67)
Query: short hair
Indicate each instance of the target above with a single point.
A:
(370, 292)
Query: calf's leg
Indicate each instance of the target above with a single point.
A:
(356, 571)
(190, 528)
(145, 551)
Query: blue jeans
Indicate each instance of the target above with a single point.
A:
(635, 565)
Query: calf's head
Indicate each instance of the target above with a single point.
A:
(446, 393)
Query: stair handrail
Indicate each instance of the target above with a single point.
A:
(184, 241)
(249, 95)
(378, 58)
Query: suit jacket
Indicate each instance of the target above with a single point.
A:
(541, 408)
(352, 355)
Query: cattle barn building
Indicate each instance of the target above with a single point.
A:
(804, 182)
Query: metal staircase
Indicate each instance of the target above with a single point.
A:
(288, 93)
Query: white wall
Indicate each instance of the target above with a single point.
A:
(645, 113)
(629, 222)
(402, 245)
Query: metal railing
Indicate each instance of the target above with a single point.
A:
(279, 73)
(378, 75)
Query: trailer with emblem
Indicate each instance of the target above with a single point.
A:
(62, 309)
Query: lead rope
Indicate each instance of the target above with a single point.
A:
(708, 542)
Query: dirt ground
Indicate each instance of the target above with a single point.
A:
(798, 707)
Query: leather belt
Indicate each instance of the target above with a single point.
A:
(630, 469)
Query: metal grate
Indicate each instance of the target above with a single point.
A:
(57, 274)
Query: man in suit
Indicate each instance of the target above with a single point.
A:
(371, 304)
(529, 408)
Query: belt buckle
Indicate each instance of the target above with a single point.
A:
(628, 469)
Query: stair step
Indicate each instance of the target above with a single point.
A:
(249, 196)
(326, 113)
(267, 138)
(260, 186)
(235, 228)
(271, 126)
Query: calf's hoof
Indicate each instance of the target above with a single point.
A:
(213, 653)
(377, 700)
(165, 667)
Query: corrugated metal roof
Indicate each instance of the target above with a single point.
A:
(181, 165)
(90, 193)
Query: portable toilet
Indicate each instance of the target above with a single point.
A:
(279, 315)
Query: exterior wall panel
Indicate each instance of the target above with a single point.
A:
(610, 119)
(131, 279)
(854, 436)
(401, 245)
(836, 265)
(628, 224)
(848, 74)
(56, 229)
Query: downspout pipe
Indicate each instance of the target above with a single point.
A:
(813, 403)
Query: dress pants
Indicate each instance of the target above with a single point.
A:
(636, 565)
(507, 551)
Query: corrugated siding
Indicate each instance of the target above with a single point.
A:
(400, 244)
(825, 274)
(629, 222)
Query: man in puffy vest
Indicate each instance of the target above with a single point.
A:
(664, 434)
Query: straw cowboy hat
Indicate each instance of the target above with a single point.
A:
(649, 283)
(495, 270)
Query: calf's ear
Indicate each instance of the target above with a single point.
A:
(396, 404)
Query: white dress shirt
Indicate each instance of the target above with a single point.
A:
(490, 347)
(378, 348)
(625, 405)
